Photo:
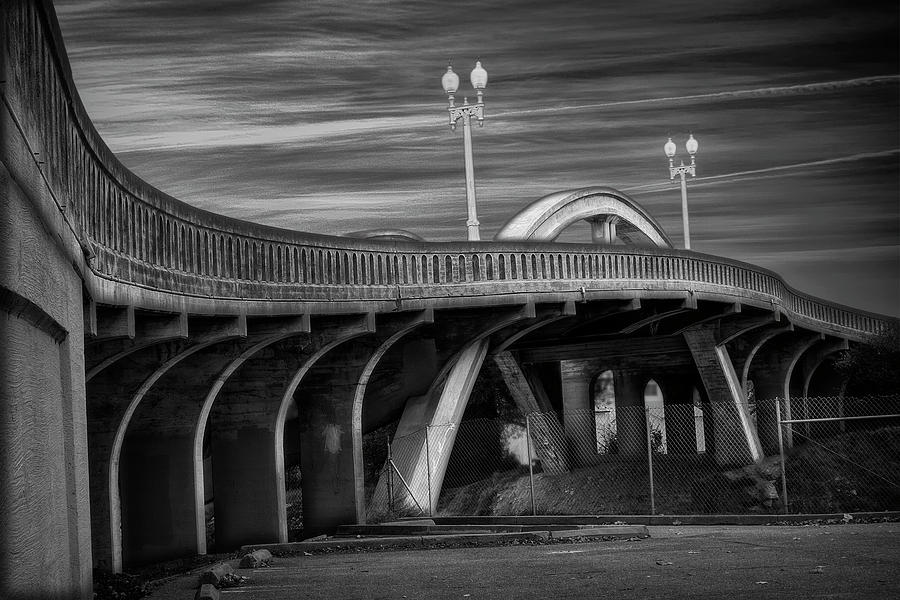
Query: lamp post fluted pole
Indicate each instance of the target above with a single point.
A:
(682, 170)
(472, 224)
(685, 221)
(450, 81)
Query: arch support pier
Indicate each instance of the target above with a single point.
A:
(734, 438)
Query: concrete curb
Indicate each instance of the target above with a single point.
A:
(446, 540)
(256, 559)
(594, 520)
(398, 541)
(621, 531)
(214, 574)
(207, 591)
(432, 529)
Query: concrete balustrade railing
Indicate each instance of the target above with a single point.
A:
(132, 233)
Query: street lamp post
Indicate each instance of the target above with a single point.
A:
(691, 146)
(450, 81)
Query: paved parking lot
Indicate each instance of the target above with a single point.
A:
(829, 561)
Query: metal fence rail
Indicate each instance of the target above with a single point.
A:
(840, 454)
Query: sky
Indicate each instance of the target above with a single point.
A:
(329, 116)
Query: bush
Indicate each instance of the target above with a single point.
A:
(118, 586)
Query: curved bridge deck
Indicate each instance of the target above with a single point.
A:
(156, 356)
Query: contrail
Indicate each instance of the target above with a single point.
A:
(729, 177)
(766, 92)
(306, 132)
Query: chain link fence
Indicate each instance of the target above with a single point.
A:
(840, 455)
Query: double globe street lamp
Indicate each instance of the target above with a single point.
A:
(691, 146)
(450, 82)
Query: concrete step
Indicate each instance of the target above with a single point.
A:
(389, 529)
(403, 542)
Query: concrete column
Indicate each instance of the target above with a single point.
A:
(247, 473)
(325, 403)
(330, 402)
(678, 407)
(157, 484)
(109, 394)
(114, 393)
(603, 230)
(247, 431)
(251, 445)
(734, 437)
(578, 410)
(631, 421)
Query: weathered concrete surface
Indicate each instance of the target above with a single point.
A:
(841, 561)
(735, 440)
(771, 372)
(89, 248)
(216, 573)
(547, 217)
(247, 419)
(329, 402)
(44, 507)
(256, 559)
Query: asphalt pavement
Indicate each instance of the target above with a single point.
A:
(814, 561)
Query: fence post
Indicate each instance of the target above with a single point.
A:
(650, 459)
(390, 479)
(428, 471)
(781, 454)
(806, 416)
(530, 467)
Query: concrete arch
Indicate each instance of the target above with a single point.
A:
(117, 357)
(386, 234)
(756, 346)
(281, 416)
(544, 219)
(359, 398)
(601, 370)
(115, 504)
(817, 358)
(203, 422)
(247, 434)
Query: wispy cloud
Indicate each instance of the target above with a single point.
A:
(328, 116)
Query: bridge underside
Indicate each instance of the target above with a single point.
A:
(161, 365)
(192, 416)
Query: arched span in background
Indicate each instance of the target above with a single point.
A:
(610, 212)
(386, 234)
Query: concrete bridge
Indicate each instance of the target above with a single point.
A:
(140, 335)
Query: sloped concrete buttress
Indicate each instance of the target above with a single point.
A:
(462, 339)
(735, 440)
(548, 444)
